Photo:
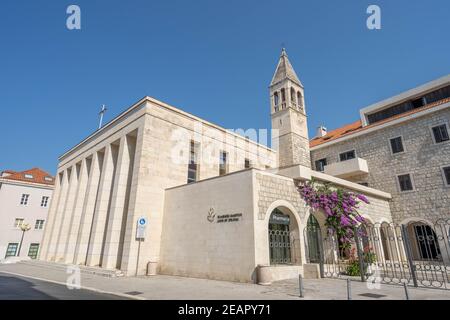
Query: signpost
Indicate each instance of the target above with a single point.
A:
(140, 235)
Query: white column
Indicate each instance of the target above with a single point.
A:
(84, 231)
(130, 245)
(119, 203)
(67, 214)
(53, 238)
(48, 226)
(101, 209)
(74, 223)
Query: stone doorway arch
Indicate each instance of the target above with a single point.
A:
(284, 237)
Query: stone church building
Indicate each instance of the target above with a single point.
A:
(212, 198)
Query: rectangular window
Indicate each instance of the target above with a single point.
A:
(396, 145)
(223, 164)
(247, 164)
(44, 202)
(440, 133)
(193, 162)
(24, 199)
(347, 155)
(11, 251)
(33, 250)
(446, 173)
(18, 222)
(39, 225)
(405, 182)
(320, 164)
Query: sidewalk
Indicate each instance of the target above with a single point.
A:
(179, 288)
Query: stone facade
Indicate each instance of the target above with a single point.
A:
(195, 245)
(422, 158)
(185, 174)
(121, 172)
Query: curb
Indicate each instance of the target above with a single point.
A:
(124, 295)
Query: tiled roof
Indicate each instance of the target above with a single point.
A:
(354, 127)
(34, 175)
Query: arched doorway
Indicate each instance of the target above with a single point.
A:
(313, 239)
(284, 237)
(425, 244)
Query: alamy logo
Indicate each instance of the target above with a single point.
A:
(374, 20)
(74, 279)
(73, 21)
(211, 215)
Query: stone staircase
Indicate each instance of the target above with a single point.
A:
(110, 273)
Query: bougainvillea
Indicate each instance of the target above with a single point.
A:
(339, 206)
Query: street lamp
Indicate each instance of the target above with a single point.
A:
(24, 227)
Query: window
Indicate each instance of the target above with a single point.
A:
(446, 174)
(247, 164)
(405, 182)
(440, 133)
(406, 106)
(293, 96)
(48, 179)
(44, 202)
(28, 176)
(300, 99)
(11, 251)
(33, 250)
(24, 199)
(39, 225)
(275, 101)
(223, 165)
(18, 222)
(347, 155)
(193, 162)
(283, 95)
(320, 164)
(396, 145)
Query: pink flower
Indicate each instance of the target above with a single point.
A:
(363, 198)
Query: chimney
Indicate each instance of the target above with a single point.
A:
(321, 131)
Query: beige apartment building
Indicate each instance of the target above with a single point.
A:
(208, 197)
(25, 197)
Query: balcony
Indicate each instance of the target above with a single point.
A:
(347, 169)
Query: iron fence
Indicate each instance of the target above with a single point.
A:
(416, 254)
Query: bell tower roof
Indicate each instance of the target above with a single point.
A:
(284, 71)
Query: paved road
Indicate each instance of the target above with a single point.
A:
(162, 287)
(20, 288)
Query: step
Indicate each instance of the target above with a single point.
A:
(83, 269)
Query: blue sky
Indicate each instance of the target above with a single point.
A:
(212, 58)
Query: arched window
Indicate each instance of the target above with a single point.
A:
(283, 95)
(300, 99)
(293, 96)
(275, 99)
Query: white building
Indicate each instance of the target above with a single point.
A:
(400, 145)
(24, 199)
(217, 203)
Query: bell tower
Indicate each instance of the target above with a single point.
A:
(287, 109)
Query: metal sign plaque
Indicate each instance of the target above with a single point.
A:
(141, 227)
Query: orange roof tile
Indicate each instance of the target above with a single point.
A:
(36, 176)
(357, 126)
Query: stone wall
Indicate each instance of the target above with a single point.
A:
(196, 243)
(422, 158)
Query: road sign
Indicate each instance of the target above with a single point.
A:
(141, 226)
